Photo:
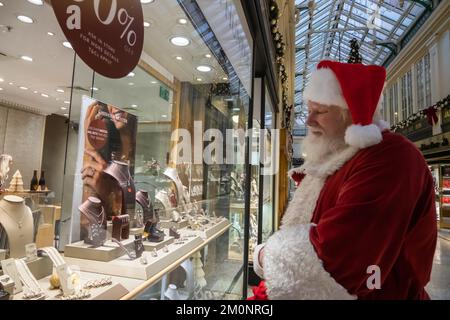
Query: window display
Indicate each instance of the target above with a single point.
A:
(133, 210)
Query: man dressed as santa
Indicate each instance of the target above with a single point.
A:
(362, 222)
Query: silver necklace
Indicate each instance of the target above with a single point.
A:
(19, 223)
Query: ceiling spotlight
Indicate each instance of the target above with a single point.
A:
(204, 68)
(225, 78)
(147, 1)
(182, 21)
(23, 88)
(60, 90)
(50, 33)
(26, 58)
(134, 106)
(1, 80)
(35, 91)
(1, 5)
(199, 79)
(67, 102)
(179, 58)
(25, 19)
(63, 108)
(208, 55)
(154, 82)
(36, 2)
(94, 88)
(131, 83)
(11, 83)
(67, 44)
(180, 41)
(1, 89)
(164, 116)
(44, 95)
(146, 24)
(131, 75)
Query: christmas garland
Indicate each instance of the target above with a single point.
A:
(280, 48)
(429, 113)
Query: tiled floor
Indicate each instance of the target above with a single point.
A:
(439, 286)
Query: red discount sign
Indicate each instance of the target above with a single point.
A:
(107, 34)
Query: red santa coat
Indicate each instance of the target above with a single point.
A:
(362, 208)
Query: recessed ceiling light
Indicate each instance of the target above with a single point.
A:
(1, 80)
(180, 41)
(1, 89)
(154, 82)
(25, 19)
(36, 2)
(67, 44)
(207, 55)
(179, 58)
(63, 108)
(44, 95)
(23, 88)
(1, 4)
(26, 58)
(204, 68)
(60, 90)
(131, 83)
(94, 88)
(147, 1)
(182, 21)
(67, 102)
(146, 24)
(199, 79)
(50, 33)
(11, 83)
(35, 91)
(225, 78)
(134, 106)
(164, 116)
(131, 75)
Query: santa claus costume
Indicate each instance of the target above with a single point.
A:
(371, 204)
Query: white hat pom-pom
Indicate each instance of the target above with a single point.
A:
(362, 137)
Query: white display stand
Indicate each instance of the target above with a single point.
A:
(108, 252)
(149, 246)
(124, 267)
(211, 230)
(167, 224)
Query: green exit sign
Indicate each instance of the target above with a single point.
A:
(164, 93)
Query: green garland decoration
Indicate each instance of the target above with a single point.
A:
(421, 114)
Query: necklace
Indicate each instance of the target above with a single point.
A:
(19, 223)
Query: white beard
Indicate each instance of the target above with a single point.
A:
(319, 149)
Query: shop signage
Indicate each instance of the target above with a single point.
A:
(108, 35)
(164, 93)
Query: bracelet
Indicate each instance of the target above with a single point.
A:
(98, 283)
(83, 294)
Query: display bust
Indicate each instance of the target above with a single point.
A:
(16, 220)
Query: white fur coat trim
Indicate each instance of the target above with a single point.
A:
(293, 270)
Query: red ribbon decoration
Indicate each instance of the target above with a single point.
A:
(259, 292)
(431, 115)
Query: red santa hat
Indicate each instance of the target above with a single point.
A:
(355, 87)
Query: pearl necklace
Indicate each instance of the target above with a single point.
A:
(19, 223)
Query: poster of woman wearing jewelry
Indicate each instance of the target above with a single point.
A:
(109, 146)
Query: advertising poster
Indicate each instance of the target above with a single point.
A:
(108, 147)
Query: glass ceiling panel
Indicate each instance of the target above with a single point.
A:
(390, 26)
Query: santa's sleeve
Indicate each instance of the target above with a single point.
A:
(366, 228)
